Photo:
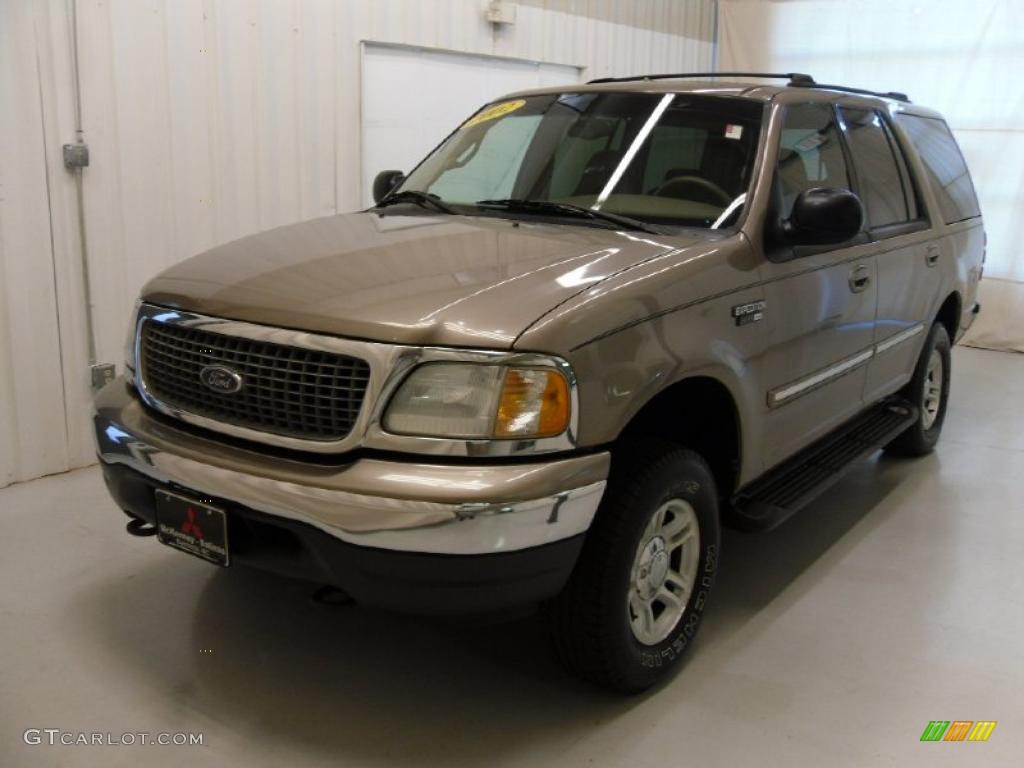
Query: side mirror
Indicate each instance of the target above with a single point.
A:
(824, 216)
(385, 182)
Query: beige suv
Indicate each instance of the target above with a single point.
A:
(592, 325)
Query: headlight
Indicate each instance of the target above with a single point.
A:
(129, 342)
(480, 401)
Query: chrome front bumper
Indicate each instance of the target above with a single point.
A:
(407, 506)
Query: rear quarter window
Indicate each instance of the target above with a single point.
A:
(947, 172)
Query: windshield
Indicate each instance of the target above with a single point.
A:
(674, 159)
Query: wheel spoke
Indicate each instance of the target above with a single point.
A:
(644, 617)
(672, 602)
(679, 537)
(678, 581)
(649, 616)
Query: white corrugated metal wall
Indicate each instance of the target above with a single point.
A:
(208, 120)
(962, 59)
(32, 424)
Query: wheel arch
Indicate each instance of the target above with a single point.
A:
(949, 314)
(699, 412)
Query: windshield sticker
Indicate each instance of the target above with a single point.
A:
(734, 131)
(492, 113)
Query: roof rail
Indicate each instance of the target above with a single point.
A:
(795, 78)
(859, 91)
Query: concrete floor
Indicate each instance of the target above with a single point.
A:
(894, 600)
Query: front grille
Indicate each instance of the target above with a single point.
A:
(290, 391)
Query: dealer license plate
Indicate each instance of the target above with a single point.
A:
(192, 526)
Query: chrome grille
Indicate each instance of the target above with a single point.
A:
(286, 390)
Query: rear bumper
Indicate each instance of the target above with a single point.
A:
(407, 535)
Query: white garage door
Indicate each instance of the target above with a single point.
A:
(413, 98)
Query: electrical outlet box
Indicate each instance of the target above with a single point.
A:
(76, 156)
(499, 12)
(102, 374)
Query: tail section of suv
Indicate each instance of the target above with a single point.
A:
(590, 327)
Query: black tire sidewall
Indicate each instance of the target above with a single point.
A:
(685, 477)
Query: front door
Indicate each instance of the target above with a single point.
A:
(820, 302)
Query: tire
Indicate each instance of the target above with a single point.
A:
(928, 394)
(601, 626)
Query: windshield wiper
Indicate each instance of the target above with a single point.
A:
(416, 197)
(567, 209)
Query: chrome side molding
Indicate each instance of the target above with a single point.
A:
(789, 391)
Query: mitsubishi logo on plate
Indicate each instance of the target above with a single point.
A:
(221, 379)
(191, 525)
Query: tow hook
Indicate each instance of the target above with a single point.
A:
(137, 527)
(328, 595)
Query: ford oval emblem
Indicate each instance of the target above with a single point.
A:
(221, 379)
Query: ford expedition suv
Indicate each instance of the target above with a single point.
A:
(592, 326)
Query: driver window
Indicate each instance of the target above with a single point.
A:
(810, 154)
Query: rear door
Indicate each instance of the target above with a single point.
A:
(907, 257)
(820, 301)
(955, 213)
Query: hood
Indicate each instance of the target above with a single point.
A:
(384, 276)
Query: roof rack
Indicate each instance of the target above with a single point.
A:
(860, 91)
(795, 80)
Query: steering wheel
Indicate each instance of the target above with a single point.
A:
(708, 191)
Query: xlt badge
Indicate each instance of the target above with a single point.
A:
(750, 312)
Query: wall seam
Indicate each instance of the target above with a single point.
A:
(53, 245)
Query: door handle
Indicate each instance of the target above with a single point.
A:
(931, 255)
(860, 278)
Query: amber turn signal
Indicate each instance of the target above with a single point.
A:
(534, 403)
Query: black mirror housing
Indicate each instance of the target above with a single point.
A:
(824, 216)
(385, 182)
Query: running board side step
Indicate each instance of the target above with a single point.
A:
(796, 482)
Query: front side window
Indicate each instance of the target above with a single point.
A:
(810, 153)
(675, 159)
(882, 187)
